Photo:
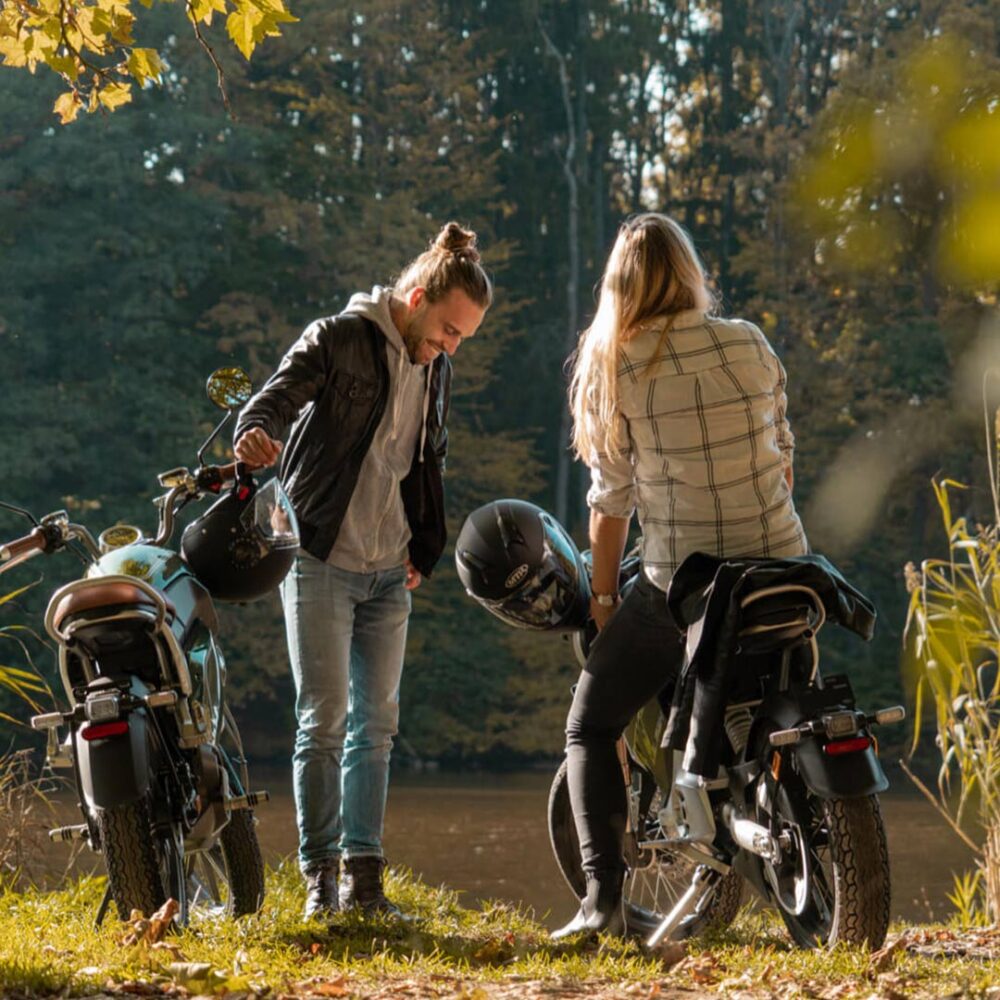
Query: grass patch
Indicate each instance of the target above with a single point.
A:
(48, 945)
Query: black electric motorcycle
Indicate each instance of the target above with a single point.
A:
(793, 811)
(154, 749)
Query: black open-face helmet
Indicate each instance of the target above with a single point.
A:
(244, 544)
(519, 563)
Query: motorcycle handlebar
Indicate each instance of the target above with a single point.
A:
(24, 548)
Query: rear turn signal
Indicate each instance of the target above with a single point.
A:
(853, 745)
(102, 730)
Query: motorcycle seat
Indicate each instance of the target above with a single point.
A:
(104, 595)
(777, 616)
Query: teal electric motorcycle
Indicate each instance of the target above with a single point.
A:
(154, 749)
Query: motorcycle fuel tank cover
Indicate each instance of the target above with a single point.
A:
(158, 567)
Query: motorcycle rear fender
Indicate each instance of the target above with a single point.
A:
(851, 775)
(117, 770)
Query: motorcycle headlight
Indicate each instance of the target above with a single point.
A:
(101, 707)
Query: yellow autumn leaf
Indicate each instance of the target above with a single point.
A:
(241, 26)
(67, 65)
(202, 10)
(93, 26)
(114, 95)
(276, 10)
(67, 107)
(144, 64)
(121, 28)
(13, 51)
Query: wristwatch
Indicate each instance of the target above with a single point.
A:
(606, 600)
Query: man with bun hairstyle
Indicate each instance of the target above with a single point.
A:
(366, 396)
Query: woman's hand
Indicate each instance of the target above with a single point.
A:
(256, 448)
(601, 613)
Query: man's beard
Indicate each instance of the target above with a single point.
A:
(413, 338)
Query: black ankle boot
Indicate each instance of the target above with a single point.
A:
(362, 887)
(322, 899)
(601, 908)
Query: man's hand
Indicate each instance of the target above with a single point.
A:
(413, 576)
(256, 448)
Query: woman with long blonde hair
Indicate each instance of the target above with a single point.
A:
(680, 416)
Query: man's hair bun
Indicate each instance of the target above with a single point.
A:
(451, 261)
(455, 240)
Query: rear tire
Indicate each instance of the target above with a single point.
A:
(130, 852)
(649, 892)
(849, 888)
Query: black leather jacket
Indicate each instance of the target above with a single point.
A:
(332, 387)
(704, 599)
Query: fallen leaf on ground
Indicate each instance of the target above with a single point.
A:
(147, 932)
(189, 972)
(671, 952)
(701, 969)
(324, 987)
(172, 949)
(885, 956)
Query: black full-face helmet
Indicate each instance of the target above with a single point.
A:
(519, 563)
(244, 544)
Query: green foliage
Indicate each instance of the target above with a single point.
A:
(24, 684)
(954, 634)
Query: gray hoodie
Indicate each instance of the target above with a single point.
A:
(374, 533)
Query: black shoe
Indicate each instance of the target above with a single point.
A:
(601, 908)
(362, 887)
(322, 898)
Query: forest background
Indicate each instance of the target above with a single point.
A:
(837, 162)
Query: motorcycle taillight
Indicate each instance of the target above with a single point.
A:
(837, 747)
(102, 730)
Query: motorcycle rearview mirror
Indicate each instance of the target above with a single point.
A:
(20, 510)
(229, 388)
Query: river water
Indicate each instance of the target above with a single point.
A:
(485, 835)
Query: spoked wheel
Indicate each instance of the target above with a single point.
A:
(227, 879)
(658, 877)
(832, 882)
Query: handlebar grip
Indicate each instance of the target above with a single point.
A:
(20, 549)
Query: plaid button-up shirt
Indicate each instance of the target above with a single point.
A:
(706, 445)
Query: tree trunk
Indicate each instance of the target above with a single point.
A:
(564, 457)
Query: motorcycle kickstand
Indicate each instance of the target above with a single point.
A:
(701, 882)
(102, 910)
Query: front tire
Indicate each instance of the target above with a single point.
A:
(228, 879)
(652, 889)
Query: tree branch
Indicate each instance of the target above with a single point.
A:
(219, 75)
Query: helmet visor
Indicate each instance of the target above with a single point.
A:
(549, 596)
(270, 518)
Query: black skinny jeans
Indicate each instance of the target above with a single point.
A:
(635, 656)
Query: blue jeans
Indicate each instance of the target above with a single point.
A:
(346, 637)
